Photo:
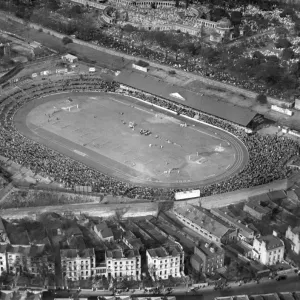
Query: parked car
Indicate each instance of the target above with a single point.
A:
(281, 277)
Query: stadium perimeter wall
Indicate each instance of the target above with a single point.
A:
(95, 209)
(236, 196)
(208, 81)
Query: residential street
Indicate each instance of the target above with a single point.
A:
(267, 286)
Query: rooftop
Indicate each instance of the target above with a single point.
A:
(277, 195)
(256, 201)
(197, 258)
(101, 226)
(106, 233)
(33, 251)
(287, 296)
(272, 242)
(204, 219)
(296, 230)
(232, 221)
(152, 85)
(119, 253)
(76, 242)
(2, 228)
(69, 56)
(17, 235)
(168, 250)
(208, 252)
(74, 253)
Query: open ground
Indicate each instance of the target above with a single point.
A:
(94, 128)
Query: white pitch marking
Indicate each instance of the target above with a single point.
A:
(79, 152)
(144, 110)
(211, 175)
(227, 167)
(208, 134)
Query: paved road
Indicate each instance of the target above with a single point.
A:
(271, 286)
(289, 285)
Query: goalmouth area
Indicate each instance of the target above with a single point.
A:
(123, 137)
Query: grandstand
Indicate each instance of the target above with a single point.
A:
(241, 116)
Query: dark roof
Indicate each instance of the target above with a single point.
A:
(167, 250)
(76, 242)
(119, 253)
(101, 226)
(204, 219)
(272, 242)
(197, 258)
(17, 236)
(106, 233)
(73, 253)
(297, 192)
(3, 248)
(233, 221)
(277, 195)
(2, 228)
(211, 106)
(207, 250)
(25, 250)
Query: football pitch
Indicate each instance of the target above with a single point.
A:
(103, 131)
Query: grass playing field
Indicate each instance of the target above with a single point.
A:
(94, 129)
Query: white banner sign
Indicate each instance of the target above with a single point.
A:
(187, 195)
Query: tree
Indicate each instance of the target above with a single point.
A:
(129, 28)
(283, 43)
(53, 4)
(287, 54)
(218, 13)
(261, 99)
(289, 11)
(236, 18)
(281, 31)
(175, 47)
(66, 40)
(297, 26)
(258, 55)
(270, 73)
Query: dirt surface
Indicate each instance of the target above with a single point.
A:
(94, 133)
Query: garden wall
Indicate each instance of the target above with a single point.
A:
(205, 80)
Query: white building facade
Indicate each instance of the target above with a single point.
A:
(293, 235)
(77, 265)
(268, 250)
(123, 264)
(167, 261)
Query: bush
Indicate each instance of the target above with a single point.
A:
(142, 64)
(287, 12)
(40, 30)
(172, 72)
(262, 99)
(287, 54)
(66, 40)
(283, 43)
(258, 55)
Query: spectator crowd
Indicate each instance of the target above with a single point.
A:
(267, 154)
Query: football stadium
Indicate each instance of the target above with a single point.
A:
(136, 136)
